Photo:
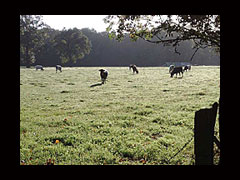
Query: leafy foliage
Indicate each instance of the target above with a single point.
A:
(30, 37)
(204, 30)
(72, 45)
(37, 39)
(68, 47)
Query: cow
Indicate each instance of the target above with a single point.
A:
(171, 68)
(176, 70)
(134, 68)
(103, 74)
(188, 67)
(58, 67)
(39, 67)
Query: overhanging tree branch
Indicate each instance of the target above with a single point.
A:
(204, 30)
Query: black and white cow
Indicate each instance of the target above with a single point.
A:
(103, 74)
(134, 68)
(39, 67)
(188, 67)
(176, 70)
(171, 68)
(58, 67)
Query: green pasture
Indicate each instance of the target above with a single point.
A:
(133, 119)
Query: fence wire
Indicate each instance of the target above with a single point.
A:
(180, 150)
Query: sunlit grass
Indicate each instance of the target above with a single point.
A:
(140, 118)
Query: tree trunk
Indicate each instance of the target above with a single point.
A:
(27, 58)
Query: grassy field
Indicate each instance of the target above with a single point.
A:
(143, 118)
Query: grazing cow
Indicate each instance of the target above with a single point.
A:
(188, 67)
(103, 74)
(176, 70)
(39, 67)
(171, 68)
(134, 68)
(185, 68)
(58, 67)
(130, 66)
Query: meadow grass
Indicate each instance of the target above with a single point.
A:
(143, 118)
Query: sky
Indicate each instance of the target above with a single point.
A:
(79, 21)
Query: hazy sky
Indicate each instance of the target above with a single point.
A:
(78, 21)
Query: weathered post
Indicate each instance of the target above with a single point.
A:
(204, 123)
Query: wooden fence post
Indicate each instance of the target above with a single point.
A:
(204, 123)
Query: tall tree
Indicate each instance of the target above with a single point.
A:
(47, 54)
(30, 37)
(72, 45)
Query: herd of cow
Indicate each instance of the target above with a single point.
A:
(104, 73)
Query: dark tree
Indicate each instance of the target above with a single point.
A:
(30, 37)
(72, 45)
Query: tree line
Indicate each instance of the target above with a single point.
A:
(40, 44)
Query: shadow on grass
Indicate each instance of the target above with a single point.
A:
(180, 77)
(97, 84)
